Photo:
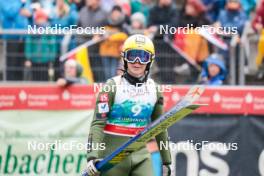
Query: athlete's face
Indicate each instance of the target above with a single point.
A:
(136, 69)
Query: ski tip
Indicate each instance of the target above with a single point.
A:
(195, 92)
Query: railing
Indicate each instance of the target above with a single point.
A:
(247, 67)
(13, 56)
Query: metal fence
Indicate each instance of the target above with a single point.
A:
(36, 58)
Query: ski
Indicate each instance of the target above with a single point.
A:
(176, 113)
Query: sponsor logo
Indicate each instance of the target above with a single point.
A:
(104, 97)
(103, 107)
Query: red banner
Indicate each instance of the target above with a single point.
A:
(220, 100)
(224, 100)
(46, 97)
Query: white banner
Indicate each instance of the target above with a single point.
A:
(43, 142)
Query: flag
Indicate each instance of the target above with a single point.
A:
(213, 38)
(191, 45)
(82, 57)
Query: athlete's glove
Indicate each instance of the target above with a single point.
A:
(166, 170)
(91, 169)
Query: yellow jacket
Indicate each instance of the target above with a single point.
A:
(112, 46)
(260, 55)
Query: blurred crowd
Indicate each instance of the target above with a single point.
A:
(38, 55)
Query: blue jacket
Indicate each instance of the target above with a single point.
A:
(67, 20)
(11, 16)
(218, 79)
(1, 19)
(229, 18)
(215, 7)
(248, 5)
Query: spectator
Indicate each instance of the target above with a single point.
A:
(248, 6)
(258, 25)
(213, 7)
(192, 44)
(107, 5)
(93, 15)
(214, 70)
(138, 21)
(193, 15)
(63, 15)
(40, 50)
(163, 13)
(142, 6)
(110, 49)
(78, 4)
(48, 6)
(1, 18)
(232, 16)
(125, 6)
(258, 20)
(15, 14)
(138, 24)
(72, 74)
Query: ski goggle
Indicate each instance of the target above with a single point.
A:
(142, 56)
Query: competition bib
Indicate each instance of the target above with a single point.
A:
(132, 108)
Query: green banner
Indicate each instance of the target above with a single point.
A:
(43, 142)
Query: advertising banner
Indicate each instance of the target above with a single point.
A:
(44, 129)
(43, 142)
(221, 100)
(218, 146)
